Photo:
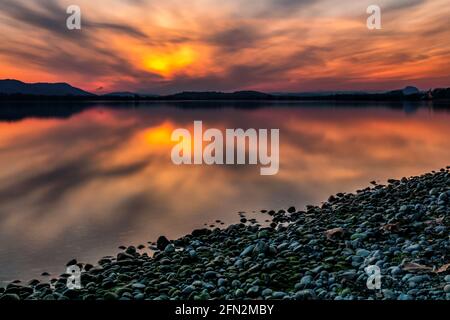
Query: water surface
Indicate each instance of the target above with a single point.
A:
(78, 181)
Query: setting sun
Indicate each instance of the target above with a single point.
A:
(167, 63)
(159, 135)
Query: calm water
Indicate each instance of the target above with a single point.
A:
(82, 180)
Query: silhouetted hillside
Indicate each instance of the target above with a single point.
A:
(15, 87)
(239, 95)
(17, 90)
(441, 93)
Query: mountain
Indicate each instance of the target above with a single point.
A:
(407, 91)
(15, 87)
(440, 93)
(410, 91)
(238, 95)
(127, 94)
(321, 93)
(124, 94)
(17, 90)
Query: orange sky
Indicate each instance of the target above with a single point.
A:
(269, 45)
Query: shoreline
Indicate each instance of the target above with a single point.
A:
(320, 253)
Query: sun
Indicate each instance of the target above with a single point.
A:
(170, 62)
(160, 135)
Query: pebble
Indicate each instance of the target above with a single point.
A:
(247, 251)
(138, 286)
(403, 296)
(253, 291)
(304, 295)
(306, 281)
(9, 297)
(266, 292)
(162, 243)
(188, 290)
(210, 275)
(169, 248)
(278, 295)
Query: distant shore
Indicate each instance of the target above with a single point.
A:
(397, 95)
(321, 253)
(231, 98)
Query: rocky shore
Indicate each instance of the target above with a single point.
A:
(319, 253)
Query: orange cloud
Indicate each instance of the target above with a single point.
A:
(208, 45)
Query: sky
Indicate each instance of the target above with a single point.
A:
(169, 46)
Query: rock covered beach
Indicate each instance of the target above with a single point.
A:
(319, 253)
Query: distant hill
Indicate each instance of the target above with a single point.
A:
(238, 95)
(322, 93)
(17, 90)
(408, 91)
(440, 93)
(126, 94)
(15, 87)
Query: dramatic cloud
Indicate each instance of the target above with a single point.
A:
(271, 45)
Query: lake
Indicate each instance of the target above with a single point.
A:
(79, 180)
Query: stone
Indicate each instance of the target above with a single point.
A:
(210, 275)
(139, 286)
(266, 292)
(278, 295)
(253, 291)
(169, 248)
(362, 253)
(131, 250)
(10, 297)
(404, 296)
(188, 290)
(247, 251)
(71, 263)
(110, 296)
(121, 256)
(306, 281)
(222, 282)
(389, 294)
(162, 243)
(305, 295)
(395, 271)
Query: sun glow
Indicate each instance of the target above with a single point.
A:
(168, 63)
(160, 135)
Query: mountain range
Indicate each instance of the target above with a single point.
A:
(17, 90)
(15, 87)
